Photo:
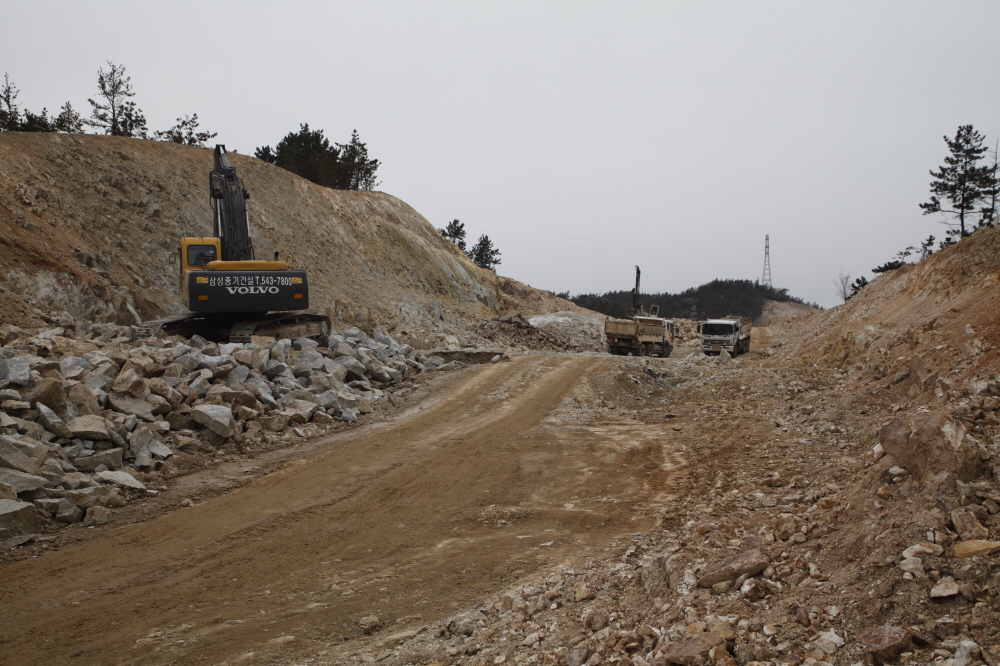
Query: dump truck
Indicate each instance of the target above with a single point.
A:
(644, 334)
(730, 333)
(230, 294)
(640, 336)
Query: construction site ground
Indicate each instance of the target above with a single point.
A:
(347, 548)
(500, 471)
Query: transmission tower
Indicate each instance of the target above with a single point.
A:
(766, 279)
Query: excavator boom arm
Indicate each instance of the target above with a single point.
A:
(230, 218)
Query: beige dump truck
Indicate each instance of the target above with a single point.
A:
(639, 336)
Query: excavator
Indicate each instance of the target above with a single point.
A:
(230, 294)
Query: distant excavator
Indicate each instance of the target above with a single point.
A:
(230, 294)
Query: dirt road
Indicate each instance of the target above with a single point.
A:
(410, 520)
(761, 337)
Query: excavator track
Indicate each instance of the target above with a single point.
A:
(238, 327)
(282, 325)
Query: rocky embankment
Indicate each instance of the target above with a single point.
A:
(86, 413)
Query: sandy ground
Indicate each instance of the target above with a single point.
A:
(409, 520)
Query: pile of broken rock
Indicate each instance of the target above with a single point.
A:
(82, 411)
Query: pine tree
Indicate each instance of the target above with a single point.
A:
(10, 114)
(455, 232)
(68, 120)
(359, 170)
(309, 154)
(858, 285)
(483, 254)
(988, 214)
(306, 153)
(117, 115)
(961, 182)
(36, 122)
(185, 132)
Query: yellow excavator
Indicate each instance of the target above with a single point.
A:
(230, 294)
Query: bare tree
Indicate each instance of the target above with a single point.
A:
(842, 286)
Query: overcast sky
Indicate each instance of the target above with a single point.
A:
(582, 137)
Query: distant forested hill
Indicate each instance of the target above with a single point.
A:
(718, 298)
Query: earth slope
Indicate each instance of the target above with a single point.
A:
(89, 225)
(939, 314)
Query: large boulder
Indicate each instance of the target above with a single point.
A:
(160, 387)
(886, 643)
(237, 376)
(19, 521)
(51, 421)
(307, 363)
(67, 512)
(140, 438)
(111, 458)
(120, 479)
(298, 394)
(11, 456)
(128, 404)
(71, 347)
(130, 380)
(274, 421)
(303, 407)
(88, 427)
(932, 442)
(379, 372)
(84, 398)
(93, 496)
(21, 481)
(353, 366)
(344, 349)
(336, 371)
(217, 418)
(16, 370)
(97, 515)
(749, 563)
(51, 393)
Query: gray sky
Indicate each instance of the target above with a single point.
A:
(582, 137)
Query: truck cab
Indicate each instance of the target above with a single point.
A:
(730, 334)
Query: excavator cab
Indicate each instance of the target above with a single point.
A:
(200, 255)
(196, 253)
